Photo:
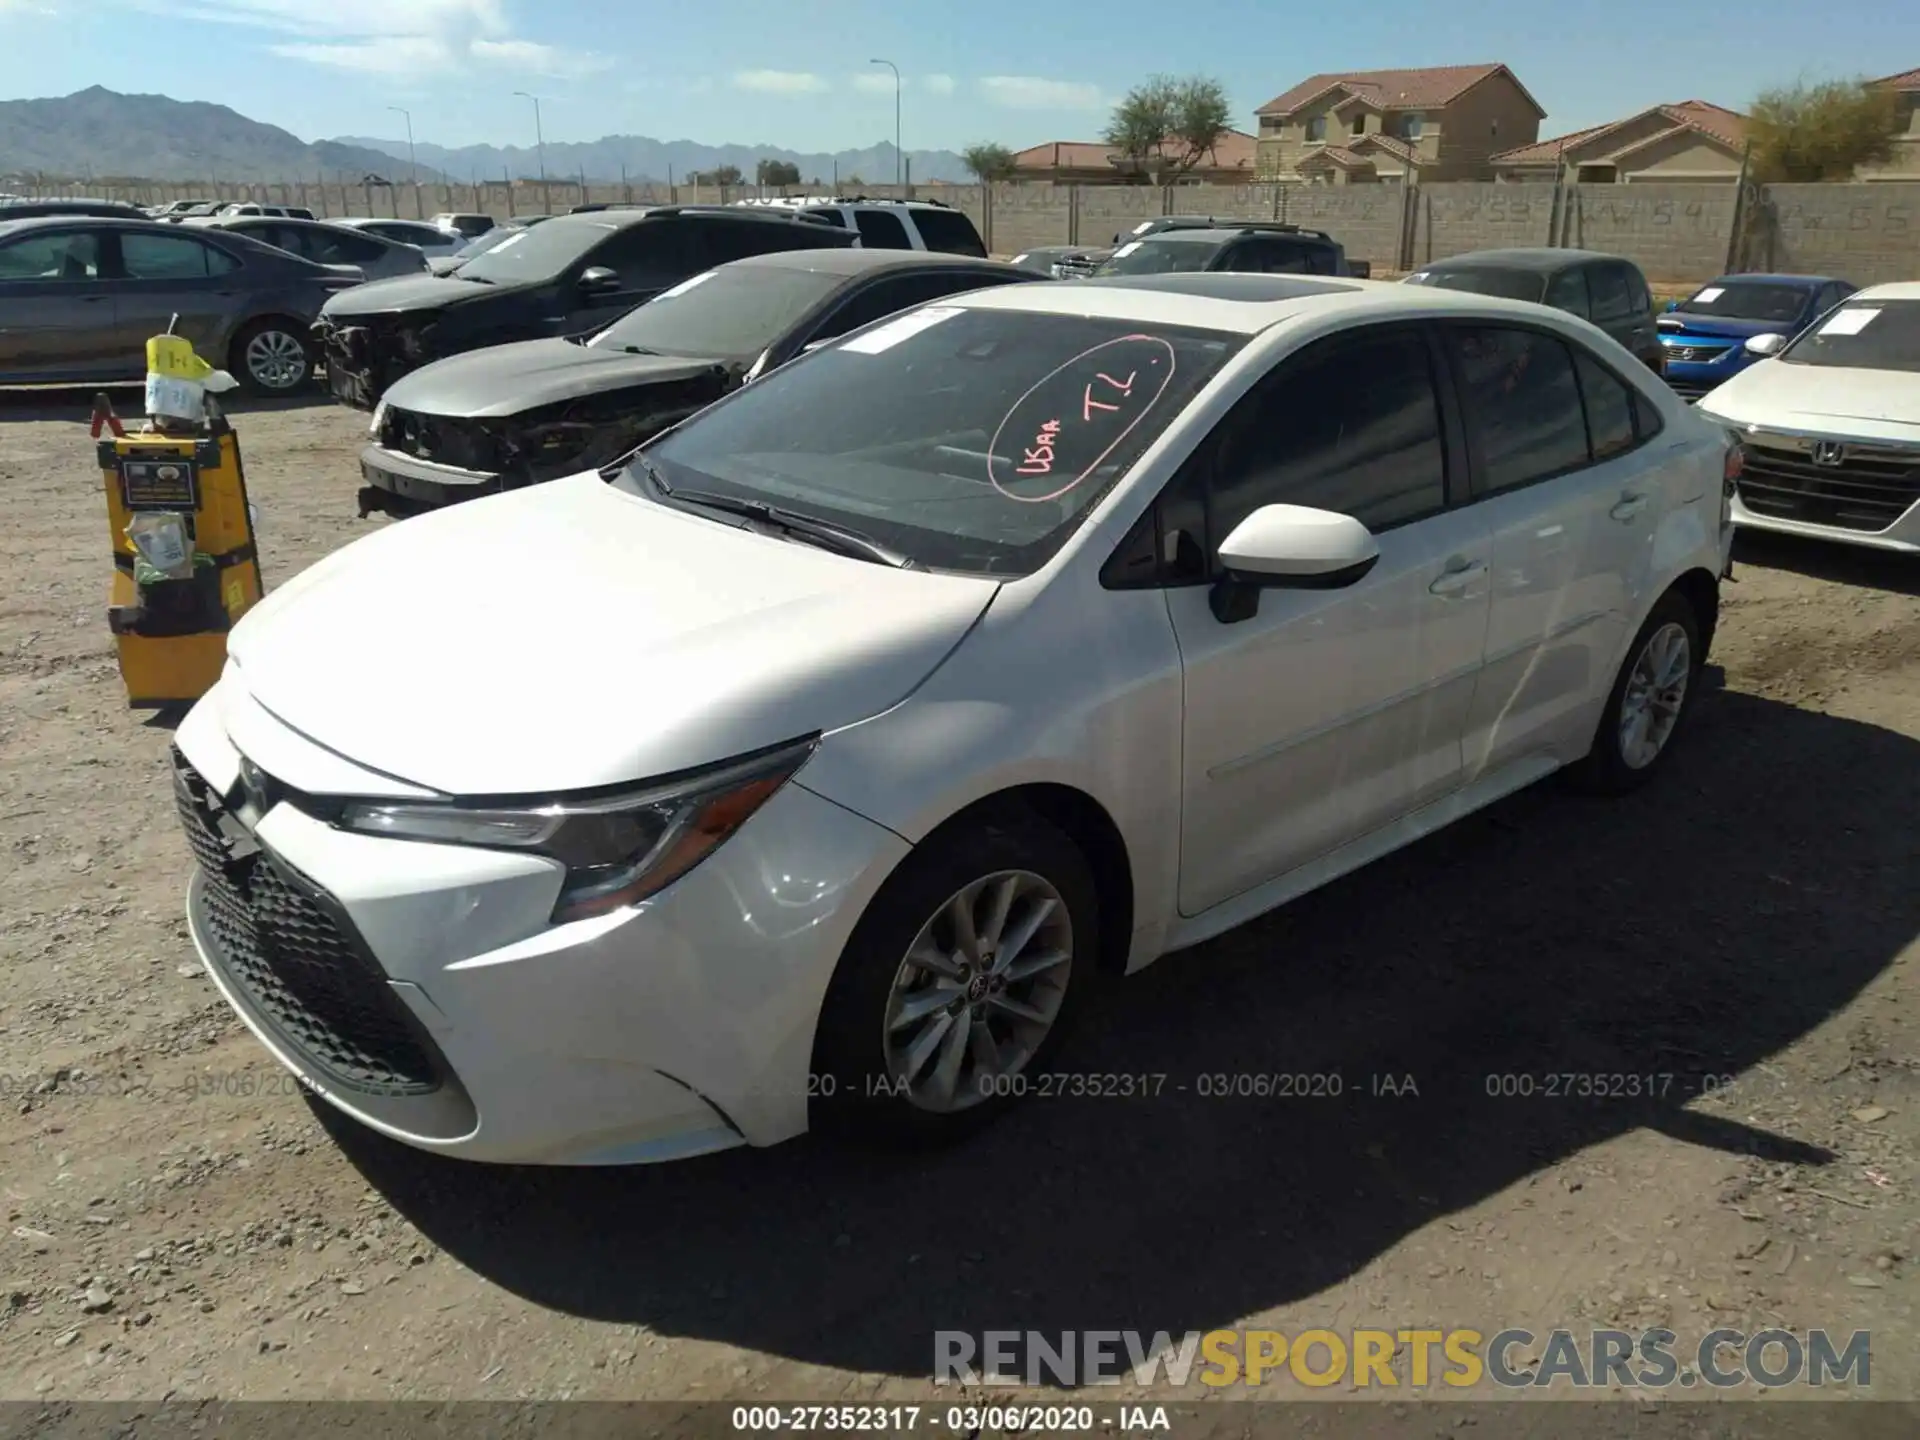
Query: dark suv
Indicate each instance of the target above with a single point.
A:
(567, 276)
(1077, 264)
(1609, 291)
(1250, 247)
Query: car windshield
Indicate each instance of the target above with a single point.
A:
(735, 310)
(1485, 280)
(970, 440)
(530, 256)
(493, 239)
(1159, 257)
(1865, 334)
(1747, 300)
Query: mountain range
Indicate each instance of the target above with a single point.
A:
(99, 133)
(642, 158)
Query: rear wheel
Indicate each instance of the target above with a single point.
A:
(270, 357)
(958, 984)
(1650, 699)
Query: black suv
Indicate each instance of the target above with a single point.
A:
(567, 276)
(1606, 289)
(1247, 247)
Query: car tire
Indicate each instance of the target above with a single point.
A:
(884, 1010)
(271, 357)
(1648, 706)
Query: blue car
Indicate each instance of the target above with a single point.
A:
(1705, 335)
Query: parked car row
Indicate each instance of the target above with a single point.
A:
(810, 764)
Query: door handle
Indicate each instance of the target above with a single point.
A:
(1457, 578)
(1629, 506)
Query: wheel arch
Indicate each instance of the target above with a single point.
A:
(1701, 589)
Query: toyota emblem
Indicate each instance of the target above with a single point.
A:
(1828, 452)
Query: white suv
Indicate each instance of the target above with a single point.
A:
(891, 224)
(826, 754)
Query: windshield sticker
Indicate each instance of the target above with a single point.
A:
(1065, 426)
(1143, 227)
(1417, 277)
(1849, 322)
(685, 285)
(1018, 258)
(894, 331)
(1709, 295)
(511, 241)
(1126, 249)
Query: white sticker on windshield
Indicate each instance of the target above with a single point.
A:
(684, 286)
(894, 331)
(1018, 258)
(511, 241)
(1710, 294)
(1849, 322)
(1126, 249)
(1417, 277)
(1143, 227)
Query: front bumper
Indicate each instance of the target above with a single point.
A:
(1903, 536)
(442, 1009)
(359, 369)
(1694, 378)
(401, 485)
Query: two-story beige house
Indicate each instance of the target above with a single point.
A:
(1904, 164)
(1686, 140)
(1443, 122)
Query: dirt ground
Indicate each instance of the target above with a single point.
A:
(180, 1224)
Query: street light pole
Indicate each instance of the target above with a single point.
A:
(413, 166)
(540, 142)
(898, 157)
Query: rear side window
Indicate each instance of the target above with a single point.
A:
(715, 241)
(830, 215)
(1568, 292)
(1309, 435)
(881, 231)
(1609, 400)
(1522, 404)
(950, 232)
(171, 257)
(341, 247)
(1612, 293)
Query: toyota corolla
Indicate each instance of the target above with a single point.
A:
(814, 766)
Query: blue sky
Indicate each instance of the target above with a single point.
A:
(795, 73)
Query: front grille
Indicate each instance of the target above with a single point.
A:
(1688, 389)
(1865, 487)
(1696, 352)
(1075, 267)
(441, 439)
(276, 938)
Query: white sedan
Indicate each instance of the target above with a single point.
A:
(1831, 424)
(812, 768)
(431, 240)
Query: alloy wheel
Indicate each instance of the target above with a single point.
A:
(1656, 691)
(276, 360)
(978, 991)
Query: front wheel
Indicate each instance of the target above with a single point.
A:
(958, 984)
(1651, 697)
(270, 358)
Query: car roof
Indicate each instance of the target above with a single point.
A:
(619, 219)
(836, 261)
(1759, 277)
(1245, 304)
(1893, 290)
(1540, 258)
(1192, 235)
(52, 222)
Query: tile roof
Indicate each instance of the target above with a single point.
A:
(1905, 80)
(1351, 156)
(1233, 151)
(1427, 88)
(1729, 127)
(1392, 144)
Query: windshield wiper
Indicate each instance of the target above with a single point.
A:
(841, 539)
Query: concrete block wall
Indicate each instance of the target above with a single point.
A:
(1673, 232)
(1474, 215)
(1868, 234)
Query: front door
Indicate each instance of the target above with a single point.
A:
(56, 310)
(1328, 713)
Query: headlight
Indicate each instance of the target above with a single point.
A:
(379, 414)
(618, 848)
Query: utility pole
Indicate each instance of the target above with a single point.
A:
(898, 157)
(413, 167)
(540, 143)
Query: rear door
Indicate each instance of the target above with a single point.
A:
(161, 276)
(949, 232)
(56, 308)
(881, 230)
(1623, 308)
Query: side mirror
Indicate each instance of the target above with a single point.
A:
(1765, 345)
(1289, 547)
(598, 280)
(1670, 307)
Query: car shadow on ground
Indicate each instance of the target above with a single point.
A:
(1852, 565)
(1688, 931)
(24, 403)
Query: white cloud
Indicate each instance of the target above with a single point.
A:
(538, 59)
(389, 55)
(937, 84)
(877, 83)
(391, 37)
(780, 82)
(1031, 92)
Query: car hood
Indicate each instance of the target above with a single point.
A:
(1678, 323)
(407, 292)
(512, 379)
(1830, 399)
(571, 635)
